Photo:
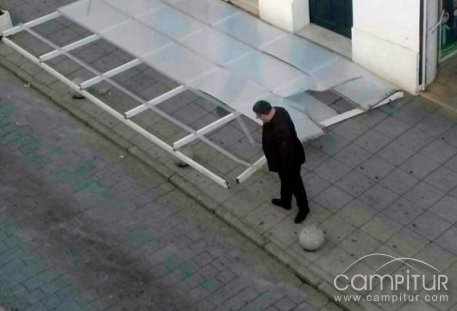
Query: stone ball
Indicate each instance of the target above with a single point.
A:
(311, 238)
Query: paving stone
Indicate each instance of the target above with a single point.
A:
(333, 199)
(439, 151)
(407, 242)
(350, 129)
(424, 194)
(452, 163)
(378, 197)
(399, 181)
(419, 166)
(335, 261)
(391, 127)
(314, 157)
(414, 139)
(337, 229)
(354, 183)
(314, 184)
(375, 168)
(332, 170)
(445, 208)
(285, 232)
(381, 228)
(447, 240)
(450, 136)
(430, 226)
(359, 243)
(330, 143)
(403, 211)
(357, 213)
(436, 123)
(443, 179)
(353, 155)
(415, 111)
(437, 256)
(395, 153)
(372, 141)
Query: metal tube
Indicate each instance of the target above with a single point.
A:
(204, 130)
(120, 117)
(110, 73)
(32, 23)
(155, 101)
(251, 170)
(69, 47)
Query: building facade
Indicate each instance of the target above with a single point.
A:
(400, 41)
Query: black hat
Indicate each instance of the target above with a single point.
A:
(262, 107)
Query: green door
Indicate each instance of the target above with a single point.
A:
(335, 15)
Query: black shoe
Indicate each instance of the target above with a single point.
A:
(301, 216)
(278, 202)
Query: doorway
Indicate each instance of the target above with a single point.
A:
(335, 15)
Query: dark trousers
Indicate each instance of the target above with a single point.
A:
(292, 184)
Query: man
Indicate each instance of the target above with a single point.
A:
(285, 155)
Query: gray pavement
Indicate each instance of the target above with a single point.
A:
(384, 182)
(85, 226)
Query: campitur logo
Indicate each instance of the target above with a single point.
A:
(396, 279)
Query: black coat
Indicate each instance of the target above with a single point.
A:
(282, 148)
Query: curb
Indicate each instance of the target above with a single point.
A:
(168, 171)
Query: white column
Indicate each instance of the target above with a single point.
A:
(289, 15)
(386, 39)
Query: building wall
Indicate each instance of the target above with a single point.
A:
(386, 39)
(385, 35)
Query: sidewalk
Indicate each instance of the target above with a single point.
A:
(383, 182)
(84, 226)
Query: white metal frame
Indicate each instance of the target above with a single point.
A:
(125, 118)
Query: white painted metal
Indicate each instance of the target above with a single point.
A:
(251, 170)
(110, 73)
(153, 102)
(69, 47)
(204, 130)
(119, 116)
(32, 23)
(206, 61)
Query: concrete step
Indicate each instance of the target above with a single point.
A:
(251, 6)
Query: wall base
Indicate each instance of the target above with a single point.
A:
(289, 15)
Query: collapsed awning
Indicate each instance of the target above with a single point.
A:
(217, 51)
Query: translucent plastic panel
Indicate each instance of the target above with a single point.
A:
(299, 52)
(136, 38)
(367, 91)
(169, 21)
(249, 29)
(178, 63)
(206, 11)
(336, 72)
(265, 70)
(216, 45)
(231, 90)
(304, 83)
(94, 15)
(306, 128)
(315, 109)
(135, 7)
